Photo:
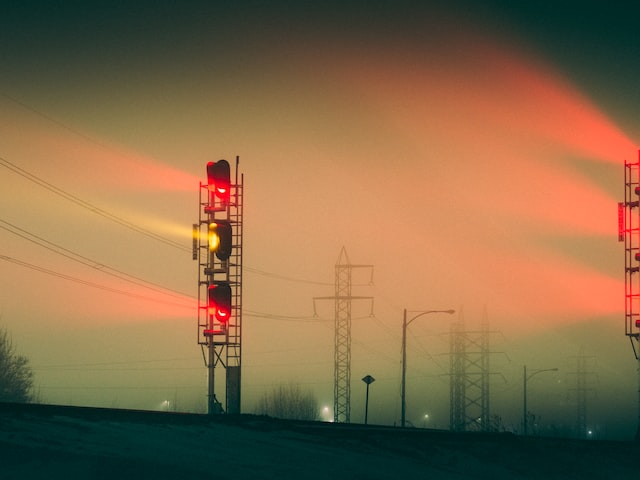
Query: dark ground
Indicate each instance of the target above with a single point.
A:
(55, 442)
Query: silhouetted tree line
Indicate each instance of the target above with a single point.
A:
(289, 402)
(16, 376)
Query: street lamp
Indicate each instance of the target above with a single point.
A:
(406, 322)
(526, 378)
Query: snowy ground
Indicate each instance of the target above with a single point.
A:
(38, 442)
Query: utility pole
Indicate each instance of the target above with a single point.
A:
(403, 384)
(342, 334)
(526, 378)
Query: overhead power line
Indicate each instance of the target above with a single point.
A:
(80, 281)
(89, 206)
(99, 211)
(284, 277)
(76, 257)
(126, 223)
(273, 316)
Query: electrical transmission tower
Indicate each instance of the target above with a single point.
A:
(342, 334)
(469, 398)
(583, 374)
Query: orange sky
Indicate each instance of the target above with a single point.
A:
(464, 164)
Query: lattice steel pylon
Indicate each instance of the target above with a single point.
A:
(342, 334)
(629, 233)
(469, 398)
(221, 339)
(583, 374)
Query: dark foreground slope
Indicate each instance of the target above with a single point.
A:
(53, 442)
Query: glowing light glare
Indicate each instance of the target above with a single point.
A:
(549, 108)
(512, 127)
(114, 167)
(214, 238)
(327, 416)
(120, 302)
(541, 205)
(219, 312)
(511, 99)
(570, 290)
(164, 226)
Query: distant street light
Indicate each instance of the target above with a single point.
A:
(368, 380)
(406, 322)
(426, 417)
(526, 378)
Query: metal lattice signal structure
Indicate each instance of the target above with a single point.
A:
(629, 232)
(217, 246)
(342, 335)
(469, 399)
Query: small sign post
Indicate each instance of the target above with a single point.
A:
(368, 380)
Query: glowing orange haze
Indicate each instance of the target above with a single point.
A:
(63, 151)
(509, 137)
(499, 152)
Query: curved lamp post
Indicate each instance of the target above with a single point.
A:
(406, 322)
(526, 378)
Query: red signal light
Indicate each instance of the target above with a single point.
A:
(219, 304)
(219, 179)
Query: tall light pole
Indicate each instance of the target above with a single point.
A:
(405, 323)
(526, 378)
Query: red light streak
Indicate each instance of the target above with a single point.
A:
(506, 144)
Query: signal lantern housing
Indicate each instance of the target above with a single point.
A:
(219, 179)
(219, 304)
(220, 239)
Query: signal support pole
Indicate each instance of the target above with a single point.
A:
(217, 246)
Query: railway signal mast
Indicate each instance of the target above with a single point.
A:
(217, 246)
(629, 233)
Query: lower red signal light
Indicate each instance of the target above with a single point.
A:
(220, 301)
